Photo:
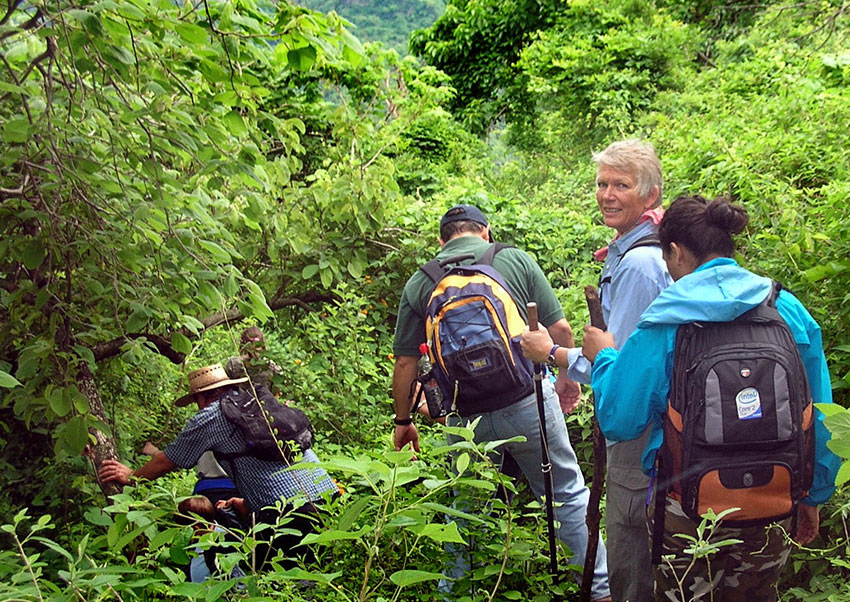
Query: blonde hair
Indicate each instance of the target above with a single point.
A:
(637, 158)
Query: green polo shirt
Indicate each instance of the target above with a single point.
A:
(523, 276)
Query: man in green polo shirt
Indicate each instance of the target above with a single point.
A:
(465, 230)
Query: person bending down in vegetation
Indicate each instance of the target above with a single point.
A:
(510, 412)
(270, 488)
(738, 395)
(251, 362)
(220, 517)
(628, 192)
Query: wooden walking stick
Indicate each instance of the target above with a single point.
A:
(594, 306)
(545, 462)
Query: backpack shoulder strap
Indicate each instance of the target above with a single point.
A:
(433, 269)
(490, 253)
(437, 268)
(650, 240)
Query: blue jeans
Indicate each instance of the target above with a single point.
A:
(569, 491)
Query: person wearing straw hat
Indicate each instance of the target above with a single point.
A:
(269, 488)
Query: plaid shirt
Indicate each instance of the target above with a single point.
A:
(262, 483)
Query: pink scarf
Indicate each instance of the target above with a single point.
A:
(650, 215)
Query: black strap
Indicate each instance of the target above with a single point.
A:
(661, 485)
(437, 268)
(650, 240)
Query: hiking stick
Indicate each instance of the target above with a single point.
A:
(545, 463)
(594, 306)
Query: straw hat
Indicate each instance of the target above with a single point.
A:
(205, 379)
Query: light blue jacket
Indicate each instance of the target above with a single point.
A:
(636, 278)
(631, 386)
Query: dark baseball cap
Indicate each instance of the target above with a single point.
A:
(463, 212)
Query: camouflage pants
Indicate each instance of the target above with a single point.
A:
(742, 572)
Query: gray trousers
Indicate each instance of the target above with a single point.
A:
(629, 564)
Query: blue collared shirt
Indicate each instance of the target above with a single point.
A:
(636, 279)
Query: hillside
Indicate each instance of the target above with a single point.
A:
(386, 22)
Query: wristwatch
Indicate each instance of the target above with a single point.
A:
(402, 421)
(551, 360)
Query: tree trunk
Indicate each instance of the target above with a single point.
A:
(105, 447)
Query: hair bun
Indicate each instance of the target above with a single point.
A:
(726, 216)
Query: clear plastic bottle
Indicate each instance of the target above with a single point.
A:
(433, 394)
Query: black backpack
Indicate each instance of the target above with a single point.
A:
(272, 431)
(738, 431)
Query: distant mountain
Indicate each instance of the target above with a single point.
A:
(384, 21)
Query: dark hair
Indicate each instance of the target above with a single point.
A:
(250, 333)
(197, 504)
(703, 227)
(454, 228)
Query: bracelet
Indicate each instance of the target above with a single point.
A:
(551, 361)
(402, 421)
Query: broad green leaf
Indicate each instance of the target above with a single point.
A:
(7, 381)
(86, 354)
(181, 343)
(193, 324)
(187, 589)
(843, 474)
(33, 254)
(193, 34)
(235, 123)
(7, 87)
(96, 516)
(16, 130)
(355, 268)
(408, 577)
(327, 277)
(60, 402)
(216, 591)
(353, 512)
(218, 253)
(441, 533)
(828, 409)
(137, 321)
(301, 59)
(462, 463)
(443, 509)
(309, 271)
(163, 537)
(75, 435)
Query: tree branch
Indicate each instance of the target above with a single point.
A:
(162, 343)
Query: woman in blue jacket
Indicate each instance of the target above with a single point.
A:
(631, 389)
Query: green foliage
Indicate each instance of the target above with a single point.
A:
(477, 43)
(598, 66)
(383, 538)
(168, 172)
(380, 21)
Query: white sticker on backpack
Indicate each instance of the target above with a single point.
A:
(748, 403)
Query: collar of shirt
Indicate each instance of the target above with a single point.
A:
(653, 216)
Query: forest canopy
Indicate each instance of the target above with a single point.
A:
(172, 172)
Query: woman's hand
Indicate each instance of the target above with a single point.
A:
(595, 340)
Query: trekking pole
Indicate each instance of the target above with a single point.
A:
(594, 306)
(545, 463)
